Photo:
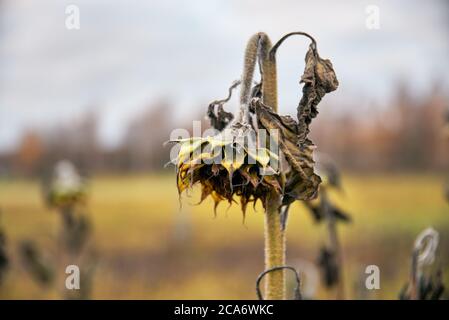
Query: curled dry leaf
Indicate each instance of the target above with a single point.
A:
(330, 271)
(319, 215)
(319, 78)
(301, 183)
(35, 263)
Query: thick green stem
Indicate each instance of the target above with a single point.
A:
(269, 74)
(275, 242)
(274, 250)
(259, 47)
(249, 64)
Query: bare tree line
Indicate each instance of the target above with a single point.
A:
(404, 135)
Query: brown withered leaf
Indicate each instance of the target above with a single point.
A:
(330, 271)
(319, 78)
(302, 183)
(319, 215)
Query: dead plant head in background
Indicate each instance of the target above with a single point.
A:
(66, 189)
(426, 275)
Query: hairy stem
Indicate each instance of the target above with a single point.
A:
(263, 274)
(275, 242)
(414, 276)
(288, 35)
(258, 48)
(269, 74)
(274, 249)
(249, 65)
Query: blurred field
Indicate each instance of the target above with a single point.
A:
(150, 249)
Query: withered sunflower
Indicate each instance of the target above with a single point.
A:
(236, 162)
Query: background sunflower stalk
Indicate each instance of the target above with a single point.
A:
(236, 161)
(325, 211)
(65, 191)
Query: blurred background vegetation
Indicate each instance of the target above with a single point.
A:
(148, 248)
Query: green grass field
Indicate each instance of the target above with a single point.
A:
(149, 248)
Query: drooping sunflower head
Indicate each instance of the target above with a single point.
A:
(226, 166)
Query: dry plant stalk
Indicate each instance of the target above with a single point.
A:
(4, 259)
(425, 281)
(236, 162)
(324, 210)
(67, 193)
(334, 243)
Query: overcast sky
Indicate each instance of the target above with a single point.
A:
(128, 53)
